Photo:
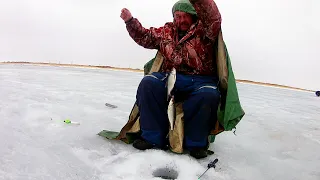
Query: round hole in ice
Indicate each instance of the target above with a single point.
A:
(166, 173)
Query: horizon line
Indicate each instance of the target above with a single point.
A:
(141, 70)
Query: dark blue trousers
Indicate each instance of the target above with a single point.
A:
(201, 99)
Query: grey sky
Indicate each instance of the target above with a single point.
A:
(274, 41)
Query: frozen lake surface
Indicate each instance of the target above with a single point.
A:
(279, 137)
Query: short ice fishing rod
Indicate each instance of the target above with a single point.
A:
(212, 164)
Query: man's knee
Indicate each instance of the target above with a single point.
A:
(151, 87)
(149, 82)
(209, 95)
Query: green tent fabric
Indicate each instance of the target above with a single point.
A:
(232, 113)
(147, 66)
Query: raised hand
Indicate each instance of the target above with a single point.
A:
(125, 14)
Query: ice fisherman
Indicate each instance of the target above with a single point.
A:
(186, 44)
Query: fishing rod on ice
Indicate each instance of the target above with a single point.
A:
(212, 164)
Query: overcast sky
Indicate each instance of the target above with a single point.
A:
(274, 41)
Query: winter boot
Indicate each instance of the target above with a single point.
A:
(198, 153)
(142, 144)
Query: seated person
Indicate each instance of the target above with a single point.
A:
(187, 45)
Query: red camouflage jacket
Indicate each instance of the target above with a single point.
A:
(193, 54)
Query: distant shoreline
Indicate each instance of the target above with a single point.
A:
(74, 65)
(139, 70)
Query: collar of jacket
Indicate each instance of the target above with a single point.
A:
(190, 32)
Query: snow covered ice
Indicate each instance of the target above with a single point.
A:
(279, 137)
